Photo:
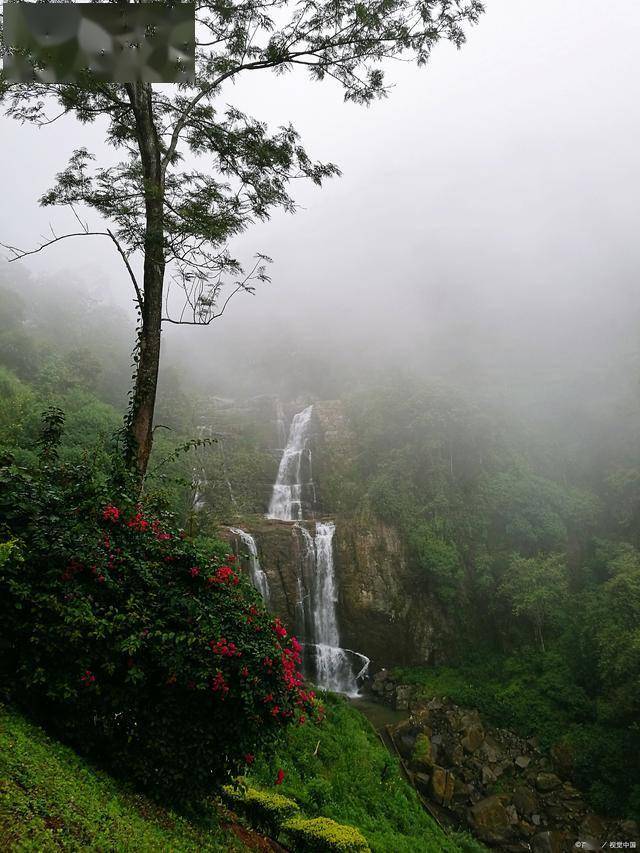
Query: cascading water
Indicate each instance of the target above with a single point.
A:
(317, 591)
(256, 573)
(286, 499)
(333, 667)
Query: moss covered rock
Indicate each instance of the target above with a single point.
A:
(321, 834)
(264, 809)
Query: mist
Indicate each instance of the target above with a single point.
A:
(483, 230)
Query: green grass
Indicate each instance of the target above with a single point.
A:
(339, 769)
(52, 800)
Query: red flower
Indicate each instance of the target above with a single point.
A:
(137, 522)
(219, 684)
(249, 758)
(280, 777)
(279, 628)
(194, 572)
(100, 578)
(88, 677)
(111, 513)
(244, 672)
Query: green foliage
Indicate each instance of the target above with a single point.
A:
(339, 769)
(130, 642)
(536, 588)
(541, 695)
(323, 835)
(264, 809)
(52, 800)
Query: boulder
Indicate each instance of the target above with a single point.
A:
(403, 697)
(422, 756)
(473, 739)
(442, 785)
(553, 841)
(546, 782)
(490, 819)
(593, 826)
(525, 801)
(522, 761)
(423, 782)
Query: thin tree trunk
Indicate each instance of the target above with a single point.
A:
(140, 429)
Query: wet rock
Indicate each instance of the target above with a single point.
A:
(630, 830)
(525, 801)
(491, 752)
(442, 785)
(594, 826)
(522, 761)
(473, 738)
(403, 697)
(423, 782)
(490, 819)
(488, 776)
(547, 782)
(552, 841)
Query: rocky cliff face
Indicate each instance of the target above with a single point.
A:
(504, 788)
(381, 612)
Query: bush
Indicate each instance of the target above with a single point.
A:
(321, 834)
(129, 642)
(265, 810)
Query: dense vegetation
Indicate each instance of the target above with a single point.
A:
(527, 529)
(342, 771)
(53, 800)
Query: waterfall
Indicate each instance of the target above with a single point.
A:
(286, 499)
(256, 573)
(317, 591)
(280, 425)
(333, 667)
(316, 610)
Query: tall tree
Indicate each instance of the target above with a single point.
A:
(176, 219)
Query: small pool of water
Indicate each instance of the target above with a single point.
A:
(379, 715)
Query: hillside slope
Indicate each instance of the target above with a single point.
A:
(52, 800)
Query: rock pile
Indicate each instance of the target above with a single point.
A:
(507, 791)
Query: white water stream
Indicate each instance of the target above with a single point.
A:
(286, 499)
(256, 573)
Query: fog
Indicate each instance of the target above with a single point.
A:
(484, 229)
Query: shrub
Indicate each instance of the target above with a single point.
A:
(135, 646)
(265, 810)
(321, 834)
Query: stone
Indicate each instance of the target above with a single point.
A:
(536, 820)
(423, 782)
(490, 819)
(593, 825)
(473, 739)
(512, 813)
(488, 776)
(630, 830)
(442, 785)
(421, 755)
(553, 841)
(461, 791)
(522, 761)
(547, 782)
(525, 801)
(403, 696)
(491, 751)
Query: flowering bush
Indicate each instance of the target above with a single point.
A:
(140, 649)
